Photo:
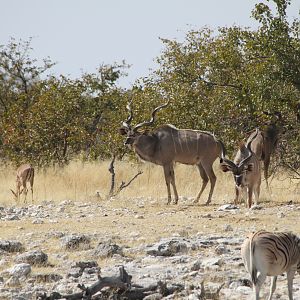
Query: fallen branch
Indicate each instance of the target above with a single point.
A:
(122, 282)
(120, 288)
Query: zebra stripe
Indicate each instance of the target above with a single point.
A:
(271, 254)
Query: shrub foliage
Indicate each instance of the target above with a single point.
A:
(227, 81)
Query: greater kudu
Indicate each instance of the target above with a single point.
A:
(265, 142)
(25, 173)
(246, 172)
(167, 144)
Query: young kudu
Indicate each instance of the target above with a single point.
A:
(265, 142)
(25, 173)
(246, 172)
(166, 145)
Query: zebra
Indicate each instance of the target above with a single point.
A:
(271, 254)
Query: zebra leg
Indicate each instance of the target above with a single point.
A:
(259, 282)
(272, 287)
(290, 276)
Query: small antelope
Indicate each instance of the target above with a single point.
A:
(246, 172)
(25, 173)
(271, 254)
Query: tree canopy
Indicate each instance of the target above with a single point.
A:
(227, 81)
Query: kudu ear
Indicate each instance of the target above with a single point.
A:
(123, 131)
(249, 167)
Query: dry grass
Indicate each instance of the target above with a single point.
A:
(146, 196)
(80, 181)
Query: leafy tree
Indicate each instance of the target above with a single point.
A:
(53, 120)
(225, 82)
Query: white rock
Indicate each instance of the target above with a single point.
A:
(227, 207)
(244, 290)
(213, 261)
(37, 221)
(139, 217)
(20, 270)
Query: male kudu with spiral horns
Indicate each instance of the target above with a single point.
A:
(166, 145)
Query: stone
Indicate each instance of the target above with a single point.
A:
(105, 250)
(74, 272)
(256, 207)
(35, 257)
(221, 249)
(11, 246)
(78, 268)
(13, 281)
(38, 221)
(227, 207)
(47, 277)
(196, 265)
(156, 296)
(20, 270)
(212, 261)
(76, 242)
(168, 248)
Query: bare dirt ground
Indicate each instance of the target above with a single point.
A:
(66, 203)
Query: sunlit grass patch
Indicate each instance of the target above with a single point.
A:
(90, 182)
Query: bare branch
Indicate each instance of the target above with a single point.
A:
(120, 285)
(111, 170)
(124, 185)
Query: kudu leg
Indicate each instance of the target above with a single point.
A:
(31, 188)
(256, 194)
(266, 170)
(167, 172)
(20, 191)
(250, 193)
(25, 194)
(31, 185)
(212, 178)
(172, 173)
(237, 199)
(204, 182)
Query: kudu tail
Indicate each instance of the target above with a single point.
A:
(222, 153)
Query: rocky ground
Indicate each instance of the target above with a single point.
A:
(191, 248)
